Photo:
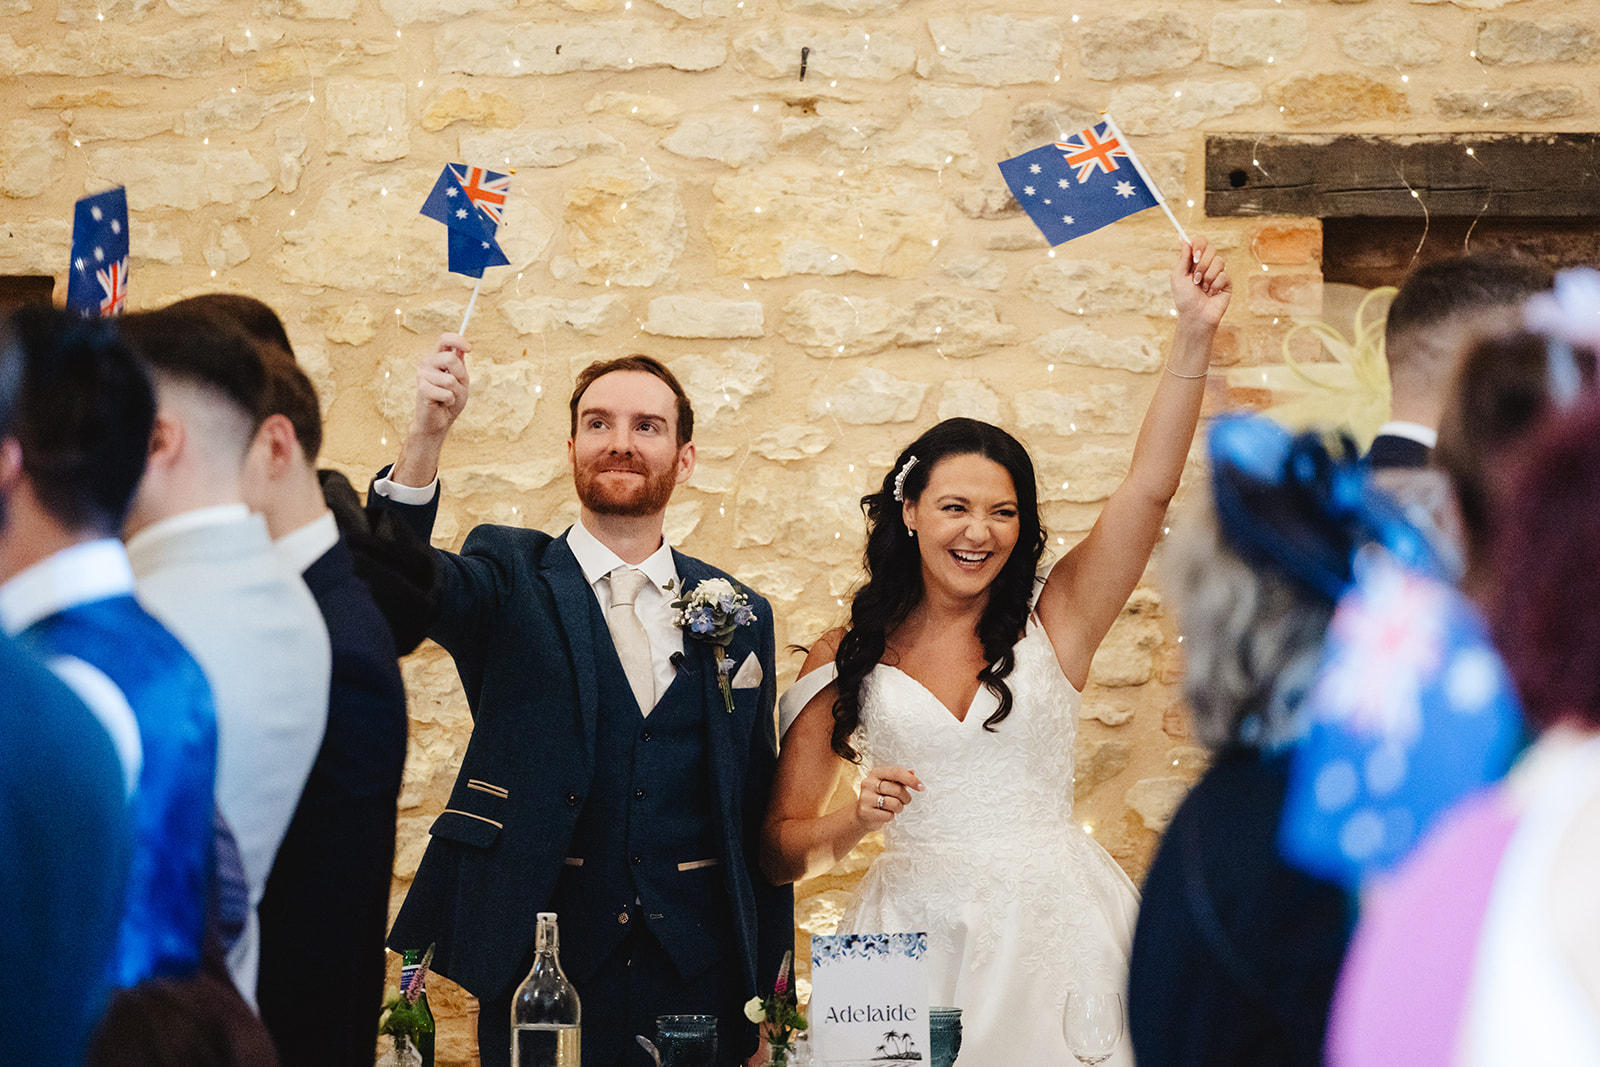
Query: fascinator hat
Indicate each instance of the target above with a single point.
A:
(1290, 503)
(1568, 317)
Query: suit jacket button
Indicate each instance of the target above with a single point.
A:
(645, 736)
(638, 860)
(622, 918)
(638, 794)
(572, 800)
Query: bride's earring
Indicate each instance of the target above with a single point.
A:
(910, 532)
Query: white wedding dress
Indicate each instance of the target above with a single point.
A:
(1020, 905)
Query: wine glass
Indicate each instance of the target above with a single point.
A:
(1092, 1024)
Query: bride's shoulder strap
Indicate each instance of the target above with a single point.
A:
(798, 695)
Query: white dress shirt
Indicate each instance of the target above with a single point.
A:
(300, 548)
(82, 574)
(1425, 435)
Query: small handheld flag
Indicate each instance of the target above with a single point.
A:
(470, 201)
(97, 276)
(1083, 183)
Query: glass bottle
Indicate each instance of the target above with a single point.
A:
(410, 960)
(545, 1014)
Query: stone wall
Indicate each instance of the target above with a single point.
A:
(793, 202)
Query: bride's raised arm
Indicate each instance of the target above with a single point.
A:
(1091, 583)
(801, 837)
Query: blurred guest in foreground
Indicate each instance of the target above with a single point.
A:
(206, 568)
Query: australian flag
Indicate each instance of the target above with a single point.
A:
(97, 277)
(1076, 186)
(470, 201)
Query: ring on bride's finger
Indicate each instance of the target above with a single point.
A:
(880, 800)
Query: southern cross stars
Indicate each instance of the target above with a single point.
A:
(1027, 190)
(1033, 168)
(1124, 189)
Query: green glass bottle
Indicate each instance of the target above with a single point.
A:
(410, 962)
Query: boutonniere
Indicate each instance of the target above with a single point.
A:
(710, 612)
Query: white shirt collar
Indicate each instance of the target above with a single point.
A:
(597, 561)
(218, 515)
(300, 548)
(94, 570)
(1415, 431)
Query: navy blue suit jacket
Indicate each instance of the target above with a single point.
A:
(326, 904)
(517, 619)
(1389, 451)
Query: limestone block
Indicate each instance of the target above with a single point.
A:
(502, 405)
(624, 226)
(1474, 5)
(1099, 761)
(309, 59)
(1112, 714)
(313, 359)
(291, 145)
(683, 518)
(1015, 240)
(311, 10)
(1255, 38)
(541, 147)
(712, 477)
(76, 97)
(35, 245)
(1296, 243)
(990, 199)
(185, 177)
(1156, 800)
(733, 140)
(806, 518)
(1175, 723)
(980, 272)
(1084, 347)
(699, 9)
(345, 323)
(243, 40)
(648, 108)
(333, 247)
(827, 323)
(113, 11)
(1532, 103)
(958, 327)
(405, 12)
(1322, 99)
(848, 8)
(722, 384)
(1135, 46)
(781, 221)
(1146, 109)
(153, 242)
(492, 110)
(225, 247)
(1127, 655)
(969, 398)
(1390, 39)
(820, 913)
(846, 52)
(1092, 409)
(366, 118)
(775, 581)
(687, 316)
(1190, 759)
(473, 47)
(234, 112)
(31, 154)
(1517, 42)
(871, 398)
(791, 442)
(87, 53)
(992, 50)
(942, 103)
(859, 139)
(589, 317)
(15, 7)
(431, 319)
(105, 124)
(1277, 293)
(1080, 286)
(1086, 475)
(1039, 122)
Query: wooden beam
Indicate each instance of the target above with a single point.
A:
(1545, 175)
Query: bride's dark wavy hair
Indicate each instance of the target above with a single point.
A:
(894, 570)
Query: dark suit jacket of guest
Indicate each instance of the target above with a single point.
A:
(1391, 450)
(519, 620)
(326, 904)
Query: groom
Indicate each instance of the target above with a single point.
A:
(606, 778)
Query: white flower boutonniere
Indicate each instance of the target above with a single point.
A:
(710, 612)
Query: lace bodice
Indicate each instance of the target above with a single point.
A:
(984, 789)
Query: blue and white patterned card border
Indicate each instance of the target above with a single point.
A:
(867, 947)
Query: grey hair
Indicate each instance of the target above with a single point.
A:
(1252, 639)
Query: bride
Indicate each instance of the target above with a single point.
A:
(958, 690)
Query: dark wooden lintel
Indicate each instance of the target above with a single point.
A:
(1547, 175)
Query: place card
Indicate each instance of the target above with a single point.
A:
(869, 1000)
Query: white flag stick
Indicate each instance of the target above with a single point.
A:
(468, 316)
(1133, 158)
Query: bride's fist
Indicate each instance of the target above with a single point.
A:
(885, 792)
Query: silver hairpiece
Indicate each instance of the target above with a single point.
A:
(900, 479)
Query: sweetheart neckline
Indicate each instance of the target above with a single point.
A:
(961, 720)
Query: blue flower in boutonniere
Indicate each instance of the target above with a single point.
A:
(710, 612)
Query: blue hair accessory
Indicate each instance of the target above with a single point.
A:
(1286, 502)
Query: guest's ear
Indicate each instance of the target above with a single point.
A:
(167, 439)
(278, 447)
(10, 464)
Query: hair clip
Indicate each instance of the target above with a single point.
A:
(900, 479)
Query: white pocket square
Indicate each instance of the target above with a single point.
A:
(749, 675)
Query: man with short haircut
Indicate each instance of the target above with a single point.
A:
(1439, 309)
(205, 566)
(79, 438)
(607, 779)
(326, 906)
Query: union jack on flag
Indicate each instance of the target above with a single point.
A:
(114, 283)
(1094, 149)
(485, 188)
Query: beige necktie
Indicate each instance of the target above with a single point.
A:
(627, 634)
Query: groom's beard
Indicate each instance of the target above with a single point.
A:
(633, 498)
